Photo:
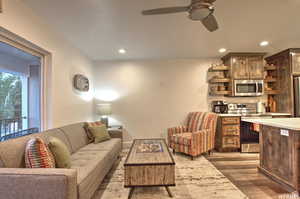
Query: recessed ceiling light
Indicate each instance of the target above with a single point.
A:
(264, 43)
(122, 51)
(222, 50)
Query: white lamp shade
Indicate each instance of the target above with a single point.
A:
(103, 109)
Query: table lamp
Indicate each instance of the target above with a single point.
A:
(104, 110)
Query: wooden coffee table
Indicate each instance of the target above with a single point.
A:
(149, 163)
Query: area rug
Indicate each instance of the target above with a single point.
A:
(197, 179)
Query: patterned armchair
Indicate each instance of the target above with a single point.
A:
(197, 137)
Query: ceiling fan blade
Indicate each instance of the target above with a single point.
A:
(210, 23)
(165, 10)
(209, 1)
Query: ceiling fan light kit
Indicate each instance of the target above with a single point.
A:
(199, 10)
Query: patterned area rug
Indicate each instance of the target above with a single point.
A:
(197, 179)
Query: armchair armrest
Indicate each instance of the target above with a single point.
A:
(175, 130)
(19, 183)
(202, 141)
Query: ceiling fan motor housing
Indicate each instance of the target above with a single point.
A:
(200, 10)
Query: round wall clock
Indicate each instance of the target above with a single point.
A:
(81, 83)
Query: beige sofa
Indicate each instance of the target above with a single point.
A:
(90, 164)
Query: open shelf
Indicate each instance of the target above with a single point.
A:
(220, 92)
(270, 67)
(270, 80)
(219, 68)
(272, 92)
(219, 80)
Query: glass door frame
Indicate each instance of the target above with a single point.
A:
(45, 57)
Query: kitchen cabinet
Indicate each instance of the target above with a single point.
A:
(239, 68)
(245, 65)
(279, 151)
(279, 156)
(255, 67)
(228, 134)
(288, 64)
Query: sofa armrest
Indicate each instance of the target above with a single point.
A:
(116, 133)
(18, 183)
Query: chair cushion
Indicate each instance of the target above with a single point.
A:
(38, 155)
(60, 152)
(194, 121)
(100, 133)
(182, 138)
(89, 134)
(76, 135)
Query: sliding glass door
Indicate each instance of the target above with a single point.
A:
(20, 92)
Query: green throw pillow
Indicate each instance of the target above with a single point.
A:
(100, 133)
(60, 152)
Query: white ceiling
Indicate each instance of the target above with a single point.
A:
(100, 27)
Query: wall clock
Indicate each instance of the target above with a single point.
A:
(81, 83)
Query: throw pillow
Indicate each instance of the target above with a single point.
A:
(89, 134)
(60, 152)
(38, 155)
(100, 133)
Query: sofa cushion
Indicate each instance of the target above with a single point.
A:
(1, 163)
(76, 135)
(93, 165)
(57, 133)
(100, 133)
(12, 152)
(61, 153)
(114, 143)
(38, 155)
(89, 134)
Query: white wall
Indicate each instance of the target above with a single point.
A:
(67, 106)
(151, 96)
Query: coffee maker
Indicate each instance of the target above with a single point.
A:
(219, 107)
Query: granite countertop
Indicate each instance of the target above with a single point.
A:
(285, 123)
(253, 114)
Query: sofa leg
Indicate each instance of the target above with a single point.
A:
(209, 152)
(192, 157)
(174, 151)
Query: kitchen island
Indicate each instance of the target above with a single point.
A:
(279, 140)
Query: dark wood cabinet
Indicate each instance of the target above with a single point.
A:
(288, 64)
(239, 68)
(245, 65)
(279, 157)
(256, 67)
(228, 134)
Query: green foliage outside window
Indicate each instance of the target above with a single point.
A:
(10, 96)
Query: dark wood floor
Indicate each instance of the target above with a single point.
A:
(241, 170)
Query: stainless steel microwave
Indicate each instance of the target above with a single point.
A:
(248, 87)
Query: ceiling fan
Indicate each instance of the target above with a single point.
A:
(199, 10)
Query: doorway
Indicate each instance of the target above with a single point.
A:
(20, 92)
